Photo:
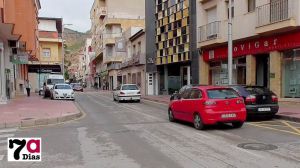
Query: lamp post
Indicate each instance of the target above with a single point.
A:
(230, 43)
(63, 49)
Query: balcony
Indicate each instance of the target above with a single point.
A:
(102, 12)
(274, 16)
(110, 59)
(114, 66)
(109, 38)
(136, 59)
(211, 33)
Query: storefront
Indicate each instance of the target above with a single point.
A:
(273, 62)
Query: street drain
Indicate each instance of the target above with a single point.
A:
(257, 146)
(27, 118)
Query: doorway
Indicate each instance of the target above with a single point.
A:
(262, 70)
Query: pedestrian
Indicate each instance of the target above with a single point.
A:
(107, 85)
(28, 87)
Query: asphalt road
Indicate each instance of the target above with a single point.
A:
(130, 135)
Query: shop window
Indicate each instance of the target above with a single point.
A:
(291, 74)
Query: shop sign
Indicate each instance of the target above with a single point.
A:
(257, 46)
(19, 58)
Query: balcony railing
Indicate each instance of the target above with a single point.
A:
(276, 11)
(114, 66)
(136, 59)
(209, 32)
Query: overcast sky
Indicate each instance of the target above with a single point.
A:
(76, 12)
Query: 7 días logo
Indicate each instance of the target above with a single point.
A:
(24, 149)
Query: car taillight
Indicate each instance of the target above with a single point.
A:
(240, 101)
(209, 103)
(251, 99)
(274, 99)
(138, 92)
(122, 93)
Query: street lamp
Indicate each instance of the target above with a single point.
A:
(63, 49)
(230, 43)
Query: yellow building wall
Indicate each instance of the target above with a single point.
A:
(56, 52)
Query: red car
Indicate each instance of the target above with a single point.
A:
(208, 105)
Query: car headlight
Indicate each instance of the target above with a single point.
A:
(56, 92)
(72, 93)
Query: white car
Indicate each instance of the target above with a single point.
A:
(62, 91)
(127, 92)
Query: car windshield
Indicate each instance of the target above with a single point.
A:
(76, 85)
(222, 94)
(63, 87)
(54, 81)
(257, 90)
(130, 87)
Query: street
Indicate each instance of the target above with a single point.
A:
(112, 134)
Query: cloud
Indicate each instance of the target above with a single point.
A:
(76, 12)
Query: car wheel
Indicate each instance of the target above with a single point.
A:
(119, 101)
(237, 124)
(138, 101)
(171, 116)
(198, 122)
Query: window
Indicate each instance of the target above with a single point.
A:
(195, 94)
(251, 5)
(134, 50)
(222, 94)
(46, 52)
(130, 87)
(139, 47)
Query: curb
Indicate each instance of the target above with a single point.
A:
(163, 102)
(287, 118)
(43, 121)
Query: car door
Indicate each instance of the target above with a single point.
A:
(194, 104)
(183, 104)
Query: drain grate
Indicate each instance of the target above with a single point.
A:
(257, 146)
(27, 118)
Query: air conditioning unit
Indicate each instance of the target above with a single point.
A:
(13, 44)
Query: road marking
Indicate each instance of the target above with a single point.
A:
(257, 125)
(1, 157)
(3, 141)
(8, 130)
(3, 148)
(292, 127)
(6, 135)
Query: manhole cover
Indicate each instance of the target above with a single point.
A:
(27, 118)
(257, 146)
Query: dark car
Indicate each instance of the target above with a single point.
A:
(77, 87)
(259, 100)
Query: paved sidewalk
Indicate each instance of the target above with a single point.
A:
(31, 111)
(287, 110)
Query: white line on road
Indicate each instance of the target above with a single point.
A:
(3, 141)
(6, 135)
(1, 157)
(8, 130)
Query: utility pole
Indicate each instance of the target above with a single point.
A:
(230, 43)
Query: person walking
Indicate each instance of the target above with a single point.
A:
(28, 87)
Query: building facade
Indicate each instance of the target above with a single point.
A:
(132, 70)
(51, 52)
(175, 51)
(18, 44)
(265, 44)
(109, 20)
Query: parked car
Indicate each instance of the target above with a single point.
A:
(259, 100)
(77, 87)
(208, 105)
(127, 92)
(50, 81)
(62, 91)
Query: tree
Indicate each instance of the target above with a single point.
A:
(67, 76)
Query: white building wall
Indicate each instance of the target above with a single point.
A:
(47, 25)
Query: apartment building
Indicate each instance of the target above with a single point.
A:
(266, 41)
(18, 44)
(132, 69)
(110, 19)
(50, 58)
(88, 55)
(173, 61)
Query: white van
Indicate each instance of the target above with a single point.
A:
(51, 80)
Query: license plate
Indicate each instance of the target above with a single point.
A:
(264, 109)
(228, 115)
